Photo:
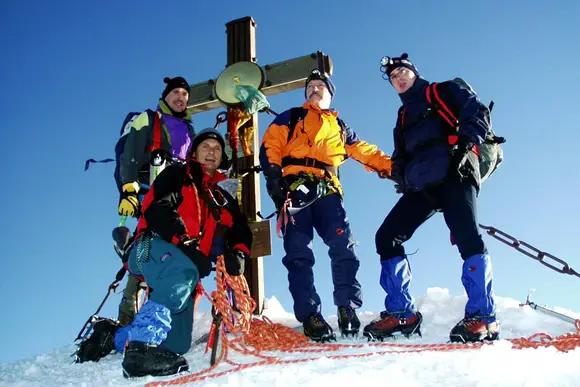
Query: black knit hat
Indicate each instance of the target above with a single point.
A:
(174, 83)
(214, 134)
(388, 65)
(317, 74)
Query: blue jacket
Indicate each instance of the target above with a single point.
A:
(422, 153)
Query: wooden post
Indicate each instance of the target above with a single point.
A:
(241, 36)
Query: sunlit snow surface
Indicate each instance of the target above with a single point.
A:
(494, 365)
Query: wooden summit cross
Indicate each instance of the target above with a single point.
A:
(279, 77)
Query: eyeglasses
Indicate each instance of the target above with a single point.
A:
(400, 72)
(318, 85)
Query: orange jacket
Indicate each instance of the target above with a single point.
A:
(318, 136)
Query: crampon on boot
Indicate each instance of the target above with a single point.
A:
(348, 322)
(475, 329)
(317, 329)
(100, 342)
(142, 359)
(390, 323)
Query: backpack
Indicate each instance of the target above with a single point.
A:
(490, 152)
(120, 145)
(125, 129)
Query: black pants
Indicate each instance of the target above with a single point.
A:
(456, 199)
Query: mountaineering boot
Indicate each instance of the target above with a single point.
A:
(474, 329)
(348, 322)
(316, 329)
(142, 359)
(390, 323)
(100, 343)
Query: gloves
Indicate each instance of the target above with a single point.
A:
(459, 155)
(276, 185)
(189, 247)
(398, 175)
(129, 204)
(235, 261)
(384, 175)
(401, 188)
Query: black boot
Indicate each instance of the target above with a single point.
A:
(348, 322)
(142, 359)
(101, 341)
(316, 329)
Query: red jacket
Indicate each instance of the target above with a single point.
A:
(185, 201)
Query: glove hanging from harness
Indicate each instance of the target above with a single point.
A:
(459, 152)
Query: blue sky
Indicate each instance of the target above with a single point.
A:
(71, 70)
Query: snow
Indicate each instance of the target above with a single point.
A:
(492, 365)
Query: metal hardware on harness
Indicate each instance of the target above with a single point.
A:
(530, 251)
(220, 119)
(320, 192)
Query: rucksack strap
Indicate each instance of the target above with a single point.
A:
(156, 133)
(441, 107)
(294, 119)
(445, 112)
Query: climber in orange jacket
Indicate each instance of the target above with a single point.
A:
(300, 155)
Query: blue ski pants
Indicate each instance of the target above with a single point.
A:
(328, 217)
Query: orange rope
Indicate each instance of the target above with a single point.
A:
(253, 335)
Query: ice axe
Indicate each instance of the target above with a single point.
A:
(551, 312)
